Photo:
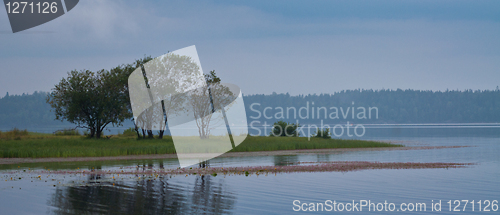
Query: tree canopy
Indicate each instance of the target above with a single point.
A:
(94, 100)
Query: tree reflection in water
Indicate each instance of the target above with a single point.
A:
(209, 195)
(285, 160)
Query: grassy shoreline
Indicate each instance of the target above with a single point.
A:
(51, 146)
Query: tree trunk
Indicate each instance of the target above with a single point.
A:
(160, 135)
(137, 131)
(98, 134)
(150, 134)
(92, 132)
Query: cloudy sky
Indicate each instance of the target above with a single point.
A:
(299, 47)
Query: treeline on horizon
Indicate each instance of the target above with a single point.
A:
(27, 111)
(394, 106)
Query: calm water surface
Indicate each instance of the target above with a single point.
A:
(272, 194)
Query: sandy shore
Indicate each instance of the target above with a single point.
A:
(230, 154)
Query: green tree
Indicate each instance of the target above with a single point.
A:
(91, 100)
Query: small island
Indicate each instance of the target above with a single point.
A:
(23, 144)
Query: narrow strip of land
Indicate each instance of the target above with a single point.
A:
(229, 154)
(334, 166)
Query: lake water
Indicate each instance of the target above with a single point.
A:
(275, 194)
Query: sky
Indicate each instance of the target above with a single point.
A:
(283, 46)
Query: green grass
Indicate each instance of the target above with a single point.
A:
(70, 146)
(35, 145)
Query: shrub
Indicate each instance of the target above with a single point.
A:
(323, 134)
(284, 129)
(67, 132)
(129, 132)
(15, 134)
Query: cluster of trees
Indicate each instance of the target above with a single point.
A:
(148, 91)
(191, 105)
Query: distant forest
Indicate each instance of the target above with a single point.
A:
(394, 106)
(26, 111)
